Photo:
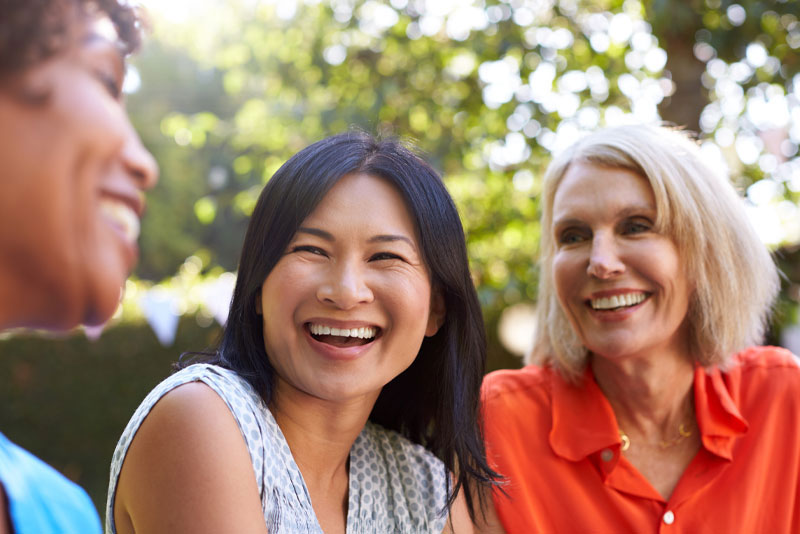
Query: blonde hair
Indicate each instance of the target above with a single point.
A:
(734, 276)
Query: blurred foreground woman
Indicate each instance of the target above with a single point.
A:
(345, 391)
(646, 411)
(71, 181)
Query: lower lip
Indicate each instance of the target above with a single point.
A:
(332, 352)
(613, 316)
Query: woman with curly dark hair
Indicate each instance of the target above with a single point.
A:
(70, 202)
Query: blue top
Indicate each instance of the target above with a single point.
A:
(40, 499)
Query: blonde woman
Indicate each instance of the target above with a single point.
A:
(644, 409)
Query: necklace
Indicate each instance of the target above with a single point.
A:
(683, 433)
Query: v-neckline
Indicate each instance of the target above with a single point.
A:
(294, 469)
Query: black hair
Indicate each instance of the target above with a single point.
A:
(33, 30)
(435, 402)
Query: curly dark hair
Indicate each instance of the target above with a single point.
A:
(33, 30)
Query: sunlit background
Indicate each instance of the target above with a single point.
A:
(551, 71)
(225, 91)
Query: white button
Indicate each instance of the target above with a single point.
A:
(669, 517)
(607, 455)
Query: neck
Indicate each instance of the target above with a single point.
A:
(14, 312)
(319, 433)
(26, 303)
(650, 396)
(10, 297)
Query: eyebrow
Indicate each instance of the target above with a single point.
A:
(639, 209)
(389, 238)
(570, 221)
(327, 236)
(380, 238)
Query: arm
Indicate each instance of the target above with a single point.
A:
(188, 470)
(5, 519)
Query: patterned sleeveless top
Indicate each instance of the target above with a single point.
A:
(396, 486)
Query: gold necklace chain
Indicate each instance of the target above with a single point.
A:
(683, 433)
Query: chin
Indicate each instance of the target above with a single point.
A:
(103, 299)
(100, 312)
(611, 350)
(58, 319)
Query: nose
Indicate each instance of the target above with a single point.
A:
(604, 259)
(345, 286)
(138, 162)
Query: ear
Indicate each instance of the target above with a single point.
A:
(436, 314)
(259, 310)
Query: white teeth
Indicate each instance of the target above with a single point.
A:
(365, 332)
(123, 216)
(617, 301)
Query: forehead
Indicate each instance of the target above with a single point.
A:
(365, 200)
(589, 188)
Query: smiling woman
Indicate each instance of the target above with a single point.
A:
(352, 266)
(344, 394)
(645, 407)
(71, 187)
(73, 167)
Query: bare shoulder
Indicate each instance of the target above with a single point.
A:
(187, 467)
(486, 520)
(459, 521)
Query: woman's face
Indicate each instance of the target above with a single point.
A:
(72, 179)
(621, 283)
(346, 308)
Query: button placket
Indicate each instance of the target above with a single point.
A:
(669, 517)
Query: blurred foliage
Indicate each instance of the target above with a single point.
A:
(255, 92)
(486, 90)
(224, 92)
(68, 400)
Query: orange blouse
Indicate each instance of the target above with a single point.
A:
(559, 449)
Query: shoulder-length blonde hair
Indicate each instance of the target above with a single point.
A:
(734, 277)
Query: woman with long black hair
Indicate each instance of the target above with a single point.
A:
(344, 394)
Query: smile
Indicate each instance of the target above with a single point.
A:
(618, 301)
(342, 337)
(122, 217)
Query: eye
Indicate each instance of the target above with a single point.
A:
(111, 84)
(636, 226)
(570, 236)
(310, 250)
(382, 256)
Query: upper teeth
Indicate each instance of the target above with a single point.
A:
(365, 332)
(123, 216)
(607, 303)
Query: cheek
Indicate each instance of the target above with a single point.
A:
(564, 279)
(664, 267)
(282, 290)
(408, 297)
